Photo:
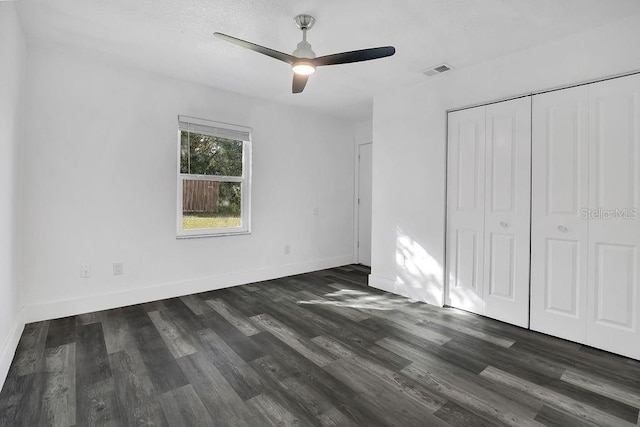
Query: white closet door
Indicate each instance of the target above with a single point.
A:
(465, 220)
(507, 211)
(560, 191)
(614, 237)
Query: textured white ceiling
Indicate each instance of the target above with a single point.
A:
(174, 37)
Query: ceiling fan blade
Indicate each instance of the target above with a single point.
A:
(299, 82)
(285, 57)
(355, 56)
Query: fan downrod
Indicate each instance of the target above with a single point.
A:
(304, 22)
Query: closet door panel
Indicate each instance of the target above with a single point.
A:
(465, 205)
(614, 226)
(507, 211)
(502, 259)
(559, 230)
(615, 273)
(562, 286)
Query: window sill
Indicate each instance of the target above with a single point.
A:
(204, 234)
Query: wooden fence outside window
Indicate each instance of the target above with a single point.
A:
(200, 196)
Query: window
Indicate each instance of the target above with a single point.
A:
(214, 178)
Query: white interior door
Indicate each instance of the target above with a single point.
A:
(559, 231)
(465, 209)
(364, 203)
(507, 211)
(614, 227)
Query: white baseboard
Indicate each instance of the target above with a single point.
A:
(75, 306)
(8, 349)
(418, 292)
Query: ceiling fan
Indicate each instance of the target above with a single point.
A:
(303, 61)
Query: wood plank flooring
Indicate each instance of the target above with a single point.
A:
(315, 349)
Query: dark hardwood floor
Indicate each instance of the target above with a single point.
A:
(314, 349)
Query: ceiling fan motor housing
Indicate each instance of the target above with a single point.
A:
(304, 50)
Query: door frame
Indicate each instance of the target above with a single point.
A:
(356, 193)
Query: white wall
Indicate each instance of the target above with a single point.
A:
(100, 187)
(409, 129)
(12, 69)
(364, 132)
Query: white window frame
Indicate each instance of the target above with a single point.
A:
(223, 130)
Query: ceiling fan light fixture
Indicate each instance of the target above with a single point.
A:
(303, 68)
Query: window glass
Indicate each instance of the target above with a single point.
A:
(210, 155)
(210, 204)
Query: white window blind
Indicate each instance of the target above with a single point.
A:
(211, 128)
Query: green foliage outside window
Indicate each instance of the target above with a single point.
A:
(210, 155)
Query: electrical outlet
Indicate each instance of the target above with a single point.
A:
(118, 268)
(316, 211)
(85, 271)
(287, 249)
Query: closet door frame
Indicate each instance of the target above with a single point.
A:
(605, 328)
